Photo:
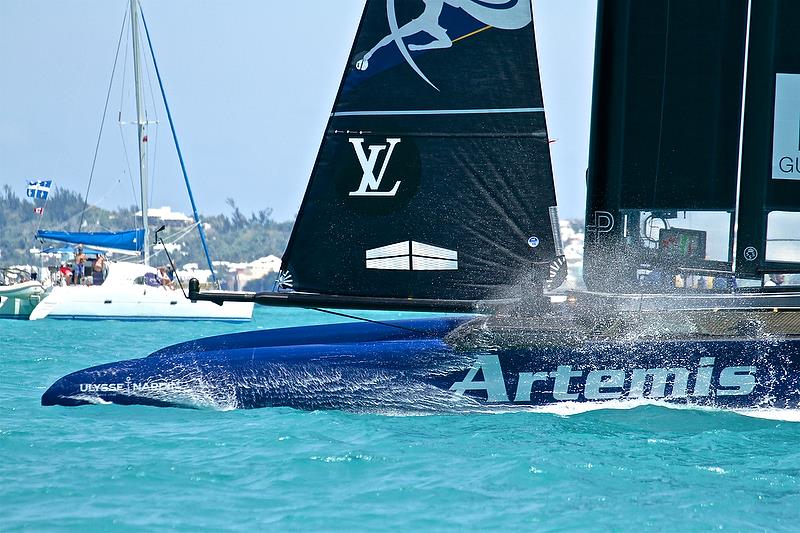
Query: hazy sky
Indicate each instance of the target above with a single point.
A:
(250, 84)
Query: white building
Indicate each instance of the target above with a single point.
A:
(242, 272)
(166, 214)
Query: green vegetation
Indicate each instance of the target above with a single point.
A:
(237, 237)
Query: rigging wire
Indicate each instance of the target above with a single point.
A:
(172, 237)
(201, 231)
(103, 120)
(154, 159)
(120, 123)
(89, 208)
(363, 319)
(130, 172)
(155, 122)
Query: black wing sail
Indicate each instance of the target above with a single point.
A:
(768, 238)
(694, 166)
(664, 140)
(434, 178)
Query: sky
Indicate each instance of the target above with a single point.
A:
(250, 84)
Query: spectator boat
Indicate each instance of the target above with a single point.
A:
(122, 290)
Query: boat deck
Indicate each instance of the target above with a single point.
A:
(578, 320)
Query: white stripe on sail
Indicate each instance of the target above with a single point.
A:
(411, 112)
(401, 248)
(418, 248)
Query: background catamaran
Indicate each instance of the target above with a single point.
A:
(126, 291)
(433, 191)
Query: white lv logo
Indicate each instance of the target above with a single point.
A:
(369, 183)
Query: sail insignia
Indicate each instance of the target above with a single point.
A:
(513, 14)
(411, 255)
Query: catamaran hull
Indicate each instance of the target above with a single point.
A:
(371, 367)
(21, 291)
(20, 299)
(18, 308)
(120, 302)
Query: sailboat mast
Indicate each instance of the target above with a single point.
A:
(735, 243)
(141, 123)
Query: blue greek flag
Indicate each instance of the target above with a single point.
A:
(39, 189)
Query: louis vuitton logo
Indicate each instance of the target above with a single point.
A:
(370, 184)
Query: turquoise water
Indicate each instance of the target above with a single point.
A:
(137, 468)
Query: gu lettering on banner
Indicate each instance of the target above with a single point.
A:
(786, 132)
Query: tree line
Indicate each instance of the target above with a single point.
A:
(231, 237)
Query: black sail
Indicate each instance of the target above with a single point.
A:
(665, 132)
(770, 182)
(696, 115)
(434, 178)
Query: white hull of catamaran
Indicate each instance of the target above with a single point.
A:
(133, 303)
(17, 307)
(21, 290)
(20, 299)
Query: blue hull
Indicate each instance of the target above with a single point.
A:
(373, 367)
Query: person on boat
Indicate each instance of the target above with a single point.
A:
(163, 278)
(775, 280)
(87, 272)
(97, 270)
(66, 274)
(151, 279)
(80, 264)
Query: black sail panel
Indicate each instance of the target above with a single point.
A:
(665, 126)
(771, 148)
(434, 177)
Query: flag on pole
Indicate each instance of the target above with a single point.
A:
(39, 189)
(38, 210)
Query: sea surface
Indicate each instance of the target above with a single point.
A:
(104, 468)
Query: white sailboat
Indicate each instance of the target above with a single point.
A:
(127, 290)
(125, 294)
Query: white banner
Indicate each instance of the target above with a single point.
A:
(786, 131)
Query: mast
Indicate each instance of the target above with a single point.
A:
(141, 124)
(735, 244)
(180, 155)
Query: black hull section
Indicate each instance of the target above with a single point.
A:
(413, 365)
